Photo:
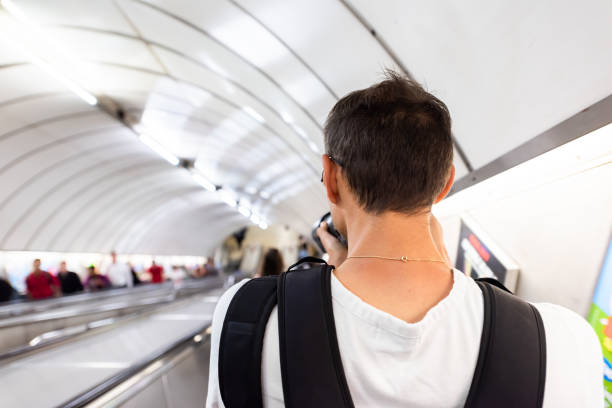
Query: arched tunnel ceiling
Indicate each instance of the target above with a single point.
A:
(242, 87)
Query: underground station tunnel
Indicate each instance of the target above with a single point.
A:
(325, 203)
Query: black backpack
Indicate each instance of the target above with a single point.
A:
(510, 370)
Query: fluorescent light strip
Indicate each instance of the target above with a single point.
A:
(244, 211)
(313, 146)
(587, 152)
(204, 182)
(255, 219)
(287, 117)
(226, 197)
(14, 11)
(300, 131)
(159, 149)
(252, 113)
(68, 83)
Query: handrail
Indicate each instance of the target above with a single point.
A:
(21, 307)
(84, 310)
(74, 331)
(58, 336)
(70, 311)
(113, 381)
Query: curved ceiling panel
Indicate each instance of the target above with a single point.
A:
(327, 37)
(507, 70)
(103, 14)
(235, 94)
(198, 229)
(79, 216)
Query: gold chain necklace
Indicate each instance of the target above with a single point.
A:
(404, 259)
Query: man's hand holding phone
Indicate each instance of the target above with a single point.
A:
(336, 250)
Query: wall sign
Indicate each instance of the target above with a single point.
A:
(479, 257)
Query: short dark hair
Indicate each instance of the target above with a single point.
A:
(393, 143)
(273, 263)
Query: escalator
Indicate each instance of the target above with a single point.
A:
(158, 358)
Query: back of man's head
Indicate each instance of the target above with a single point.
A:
(393, 143)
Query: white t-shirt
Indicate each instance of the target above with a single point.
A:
(120, 274)
(390, 363)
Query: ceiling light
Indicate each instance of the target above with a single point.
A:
(264, 194)
(204, 182)
(255, 219)
(587, 152)
(286, 117)
(263, 225)
(227, 197)
(68, 83)
(313, 146)
(300, 132)
(244, 211)
(159, 149)
(252, 113)
(20, 37)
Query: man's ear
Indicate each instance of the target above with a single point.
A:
(448, 186)
(330, 172)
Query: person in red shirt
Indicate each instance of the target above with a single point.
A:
(41, 284)
(156, 272)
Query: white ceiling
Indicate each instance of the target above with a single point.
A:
(243, 87)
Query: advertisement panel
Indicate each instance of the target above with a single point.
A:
(479, 257)
(599, 318)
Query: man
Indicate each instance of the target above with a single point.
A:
(119, 273)
(69, 281)
(156, 272)
(209, 268)
(41, 284)
(95, 282)
(408, 331)
(7, 292)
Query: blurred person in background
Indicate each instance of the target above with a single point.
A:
(69, 281)
(209, 268)
(135, 279)
(95, 281)
(41, 284)
(199, 271)
(156, 272)
(272, 264)
(303, 248)
(119, 273)
(303, 251)
(177, 273)
(7, 292)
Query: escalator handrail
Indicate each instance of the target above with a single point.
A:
(23, 307)
(35, 317)
(113, 381)
(87, 327)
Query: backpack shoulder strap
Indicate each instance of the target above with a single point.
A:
(241, 343)
(311, 366)
(511, 367)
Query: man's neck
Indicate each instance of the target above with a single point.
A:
(406, 290)
(392, 235)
